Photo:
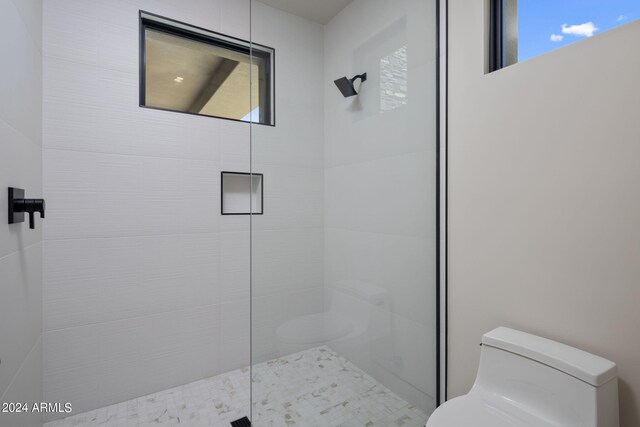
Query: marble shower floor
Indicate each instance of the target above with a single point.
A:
(313, 388)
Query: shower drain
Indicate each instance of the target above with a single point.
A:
(242, 422)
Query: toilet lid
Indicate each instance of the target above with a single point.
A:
(474, 411)
(314, 328)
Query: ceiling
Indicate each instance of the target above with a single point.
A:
(320, 11)
(198, 78)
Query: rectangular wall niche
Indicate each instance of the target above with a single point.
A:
(241, 193)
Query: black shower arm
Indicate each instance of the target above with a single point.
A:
(362, 77)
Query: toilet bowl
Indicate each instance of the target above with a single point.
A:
(525, 380)
(349, 318)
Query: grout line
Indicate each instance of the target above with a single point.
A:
(4, 257)
(194, 233)
(39, 47)
(219, 160)
(219, 304)
(27, 138)
(46, 55)
(24, 361)
(160, 313)
(106, 153)
(426, 150)
(137, 236)
(351, 230)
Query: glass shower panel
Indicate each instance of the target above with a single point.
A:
(146, 279)
(343, 272)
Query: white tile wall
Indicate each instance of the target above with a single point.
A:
(20, 308)
(384, 195)
(380, 189)
(100, 280)
(26, 387)
(21, 84)
(30, 12)
(20, 247)
(21, 162)
(146, 285)
(120, 360)
(134, 287)
(288, 240)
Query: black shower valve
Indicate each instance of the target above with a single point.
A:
(30, 206)
(18, 206)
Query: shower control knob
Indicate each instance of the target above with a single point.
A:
(18, 206)
(30, 206)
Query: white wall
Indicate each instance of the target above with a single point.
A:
(146, 284)
(543, 198)
(20, 247)
(380, 188)
(141, 295)
(288, 240)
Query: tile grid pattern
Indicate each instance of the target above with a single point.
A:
(380, 190)
(316, 387)
(133, 281)
(20, 247)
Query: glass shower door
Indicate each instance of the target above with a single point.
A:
(145, 294)
(343, 256)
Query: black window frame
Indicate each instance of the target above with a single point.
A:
(497, 52)
(176, 28)
(502, 37)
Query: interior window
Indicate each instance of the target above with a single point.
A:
(523, 29)
(191, 70)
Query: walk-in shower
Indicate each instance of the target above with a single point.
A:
(226, 236)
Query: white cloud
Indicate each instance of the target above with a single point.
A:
(622, 18)
(583, 30)
(556, 38)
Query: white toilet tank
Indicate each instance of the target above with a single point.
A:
(553, 382)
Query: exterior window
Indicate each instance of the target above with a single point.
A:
(191, 70)
(523, 29)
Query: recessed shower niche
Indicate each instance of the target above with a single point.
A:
(241, 193)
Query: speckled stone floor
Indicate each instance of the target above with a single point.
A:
(314, 388)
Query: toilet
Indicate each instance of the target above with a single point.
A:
(525, 380)
(350, 319)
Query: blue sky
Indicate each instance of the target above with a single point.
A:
(538, 20)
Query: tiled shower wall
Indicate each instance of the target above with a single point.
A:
(146, 285)
(20, 247)
(141, 294)
(380, 157)
(288, 240)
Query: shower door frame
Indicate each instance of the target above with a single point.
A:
(442, 62)
(441, 240)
